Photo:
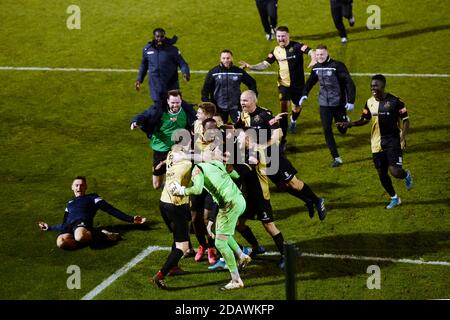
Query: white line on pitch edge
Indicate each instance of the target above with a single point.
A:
(107, 282)
(351, 257)
(355, 74)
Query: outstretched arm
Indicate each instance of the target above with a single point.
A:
(57, 227)
(365, 118)
(105, 206)
(349, 124)
(259, 66)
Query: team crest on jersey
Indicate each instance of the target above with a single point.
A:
(329, 73)
(235, 78)
(291, 50)
(387, 105)
(257, 119)
(195, 172)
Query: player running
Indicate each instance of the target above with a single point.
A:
(386, 110)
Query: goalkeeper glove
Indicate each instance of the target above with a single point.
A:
(176, 189)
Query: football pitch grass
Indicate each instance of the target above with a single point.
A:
(56, 125)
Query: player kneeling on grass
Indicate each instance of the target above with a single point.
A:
(214, 177)
(386, 110)
(77, 227)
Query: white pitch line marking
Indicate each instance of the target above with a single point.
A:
(352, 257)
(150, 249)
(355, 74)
(107, 282)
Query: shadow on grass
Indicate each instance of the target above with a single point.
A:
(407, 33)
(285, 213)
(281, 214)
(355, 138)
(394, 245)
(322, 186)
(99, 242)
(428, 147)
(334, 34)
(361, 205)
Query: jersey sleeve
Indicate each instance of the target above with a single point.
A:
(60, 227)
(106, 207)
(303, 48)
(234, 175)
(271, 58)
(198, 180)
(366, 115)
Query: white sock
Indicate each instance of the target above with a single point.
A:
(394, 197)
(235, 276)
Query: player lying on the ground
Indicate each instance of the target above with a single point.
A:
(77, 227)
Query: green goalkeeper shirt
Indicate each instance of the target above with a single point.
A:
(170, 122)
(213, 176)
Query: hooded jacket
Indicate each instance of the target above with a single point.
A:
(161, 63)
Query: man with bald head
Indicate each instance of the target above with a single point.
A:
(258, 118)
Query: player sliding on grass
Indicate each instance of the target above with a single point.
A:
(214, 177)
(77, 227)
(388, 140)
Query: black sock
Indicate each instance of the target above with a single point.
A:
(200, 232)
(295, 115)
(387, 184)
(210, 242)
(172, 260)
(306, 190)
(248, 235)
(306, 194)
(279, 241)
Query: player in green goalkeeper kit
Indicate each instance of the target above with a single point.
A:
(213, 176)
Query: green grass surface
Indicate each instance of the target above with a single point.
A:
(56, 125)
